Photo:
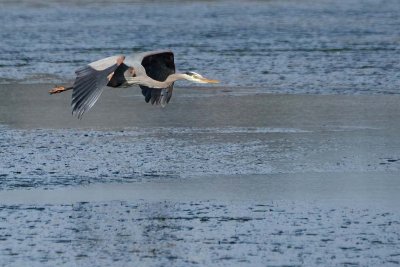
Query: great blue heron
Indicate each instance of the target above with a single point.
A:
(153, 71)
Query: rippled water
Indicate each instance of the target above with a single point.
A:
(197, 233)
(280, 46)
(222, 176)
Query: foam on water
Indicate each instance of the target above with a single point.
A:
(227, 130)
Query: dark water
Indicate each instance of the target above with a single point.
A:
(277, 46)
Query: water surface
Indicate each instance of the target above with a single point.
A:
(303, 46)
(229, 175)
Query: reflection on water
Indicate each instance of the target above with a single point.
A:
(276, 46)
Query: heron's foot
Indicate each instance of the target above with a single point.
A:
(57, 89)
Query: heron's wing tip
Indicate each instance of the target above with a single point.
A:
(88, 86)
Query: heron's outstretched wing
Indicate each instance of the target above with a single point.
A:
(158, 66)
(90, 82)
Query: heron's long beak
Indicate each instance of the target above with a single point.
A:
(205, 80)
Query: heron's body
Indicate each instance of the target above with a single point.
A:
(153, 71)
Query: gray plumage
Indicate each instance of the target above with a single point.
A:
(87, 88)
(153, 71)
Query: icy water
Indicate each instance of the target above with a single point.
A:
(224, 176)
(345, 46)
(215, 179)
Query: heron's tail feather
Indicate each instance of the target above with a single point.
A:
(164, 97)
(59, 89)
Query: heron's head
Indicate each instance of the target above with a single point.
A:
(197, 78)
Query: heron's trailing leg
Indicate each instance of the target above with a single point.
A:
(59, 89)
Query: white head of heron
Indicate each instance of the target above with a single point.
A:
(197, 78)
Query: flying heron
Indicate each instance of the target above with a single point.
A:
(153, 71)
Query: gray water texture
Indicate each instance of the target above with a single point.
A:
(319, 47)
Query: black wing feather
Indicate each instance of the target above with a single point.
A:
(118, 78)
(158, 67)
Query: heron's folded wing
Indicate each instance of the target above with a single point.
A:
(89, 84)
(158, 65)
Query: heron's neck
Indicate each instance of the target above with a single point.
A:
(169, 81)
(175, 77)
(147, 81)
